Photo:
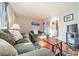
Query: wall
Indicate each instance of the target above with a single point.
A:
(11, 15)
(49, 27)
(63, 25)
(25, 23)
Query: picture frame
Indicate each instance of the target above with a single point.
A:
(35, 23)
(69, 17)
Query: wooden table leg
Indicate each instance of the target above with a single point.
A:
(52, 48)
(61, 48)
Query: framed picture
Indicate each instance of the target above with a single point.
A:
(35, 24)
(69, 17)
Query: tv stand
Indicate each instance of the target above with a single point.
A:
(72, 40)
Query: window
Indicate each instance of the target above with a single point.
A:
(3, 22)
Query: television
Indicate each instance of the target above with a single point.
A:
(72, 28)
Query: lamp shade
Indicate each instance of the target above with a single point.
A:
(15, 26)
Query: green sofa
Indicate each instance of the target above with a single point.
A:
(23, 47)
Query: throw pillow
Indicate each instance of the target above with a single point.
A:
(9, 38)
(6, 31)
(16, 34)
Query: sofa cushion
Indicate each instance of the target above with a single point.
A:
(39, 52)
(22, 41)
(9, 38)
(16, 34)
(7, 49)
(25, 38)
(24, 47)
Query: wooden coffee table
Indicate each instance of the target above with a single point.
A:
(54, 43)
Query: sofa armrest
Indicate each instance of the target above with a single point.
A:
(24, 47)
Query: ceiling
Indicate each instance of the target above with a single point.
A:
(40, 10)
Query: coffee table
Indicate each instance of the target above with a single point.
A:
(56, 44)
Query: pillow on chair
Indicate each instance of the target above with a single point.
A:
(16, 34)
(7, 49)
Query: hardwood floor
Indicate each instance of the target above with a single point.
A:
(66, 48)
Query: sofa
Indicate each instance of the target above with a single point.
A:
(16, 45)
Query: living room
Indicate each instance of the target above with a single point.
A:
(57, 23)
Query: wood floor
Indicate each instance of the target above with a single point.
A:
(66, 48)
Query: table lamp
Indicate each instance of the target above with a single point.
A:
(15, 26)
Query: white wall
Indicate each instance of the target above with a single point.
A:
(63, 25)
(25, 23)
(49, 27)
(11, 15)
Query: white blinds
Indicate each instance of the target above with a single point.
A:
(3, 20)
